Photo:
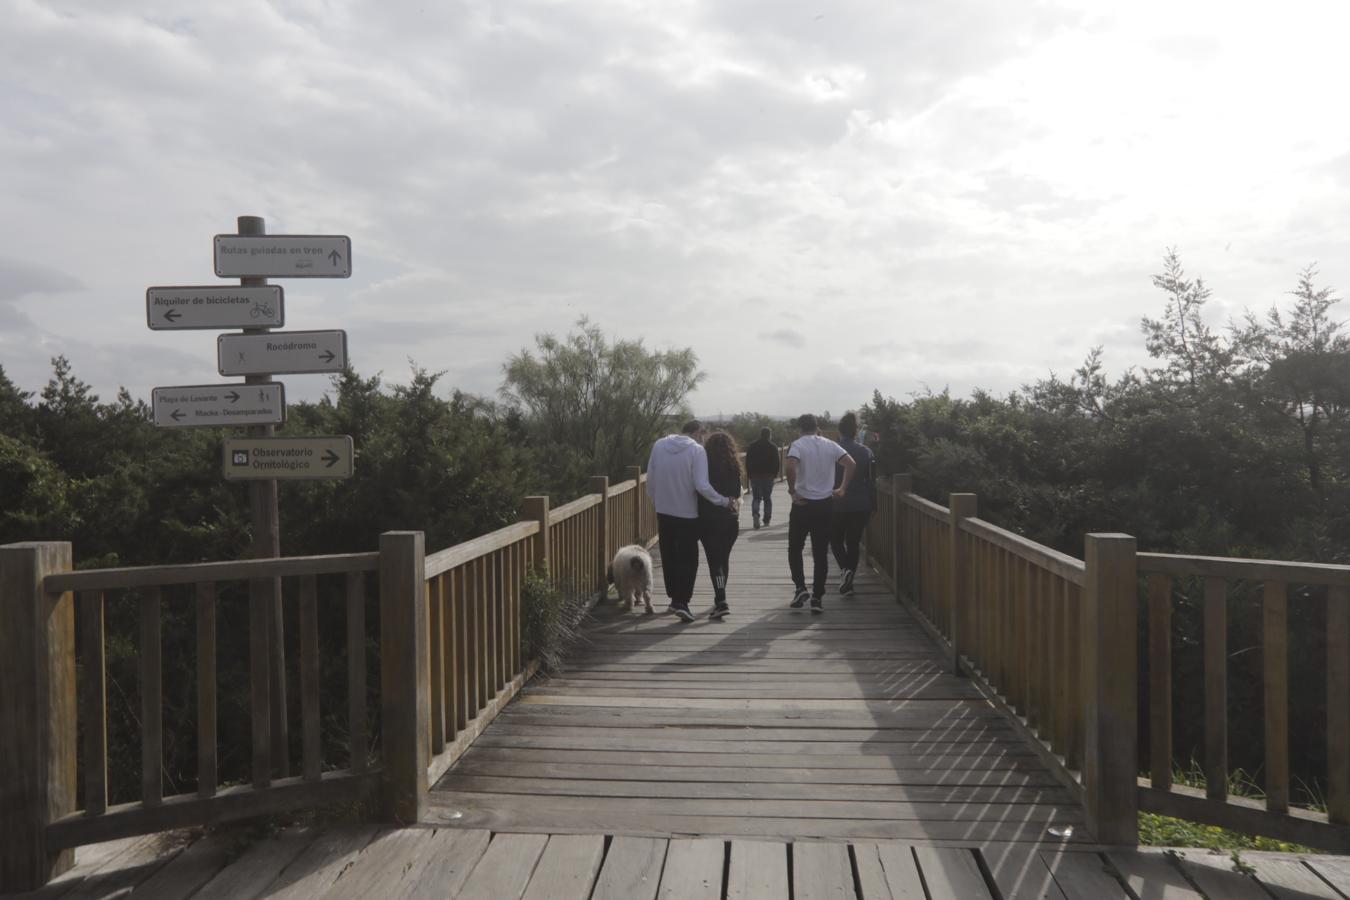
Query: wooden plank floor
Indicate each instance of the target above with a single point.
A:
(773, 723)
(364, 862)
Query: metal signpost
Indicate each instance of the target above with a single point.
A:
(197, 405)
(283, 255)
(278, 352)
(285, 458)
(186, 308)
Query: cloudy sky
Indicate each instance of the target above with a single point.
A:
(819, 198)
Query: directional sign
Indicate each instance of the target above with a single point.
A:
(197, 405)
(278, 352)
(286, 458)
(179, 308)
(283, 256)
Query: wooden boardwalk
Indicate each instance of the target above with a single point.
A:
(365, 862)
(773, 723)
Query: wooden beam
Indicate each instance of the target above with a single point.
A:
(37, 713)
(405, 702)
(1109, 663)
(1338, 705)
(962, 507)
(1275, 653)
(152, 699)
(206, 689)
(1160, 680)
(1216, 687)
(94, 703)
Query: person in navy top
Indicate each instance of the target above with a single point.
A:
(855, 507)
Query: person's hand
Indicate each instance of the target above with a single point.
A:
(796, 500)
(734, 505)
(838, 492)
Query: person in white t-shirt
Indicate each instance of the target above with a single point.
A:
(810, 477)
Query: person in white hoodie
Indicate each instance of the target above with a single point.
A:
(677, 473)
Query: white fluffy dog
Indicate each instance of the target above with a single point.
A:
(631, 572)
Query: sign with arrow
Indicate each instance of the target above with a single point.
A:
(185, 308)
(198, 405)
(285, 458)
(281, 352)
(283, 256)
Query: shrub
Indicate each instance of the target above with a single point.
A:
(551, 619)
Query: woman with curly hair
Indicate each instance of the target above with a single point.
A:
(719, 526)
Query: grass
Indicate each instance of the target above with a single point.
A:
(1165, 831)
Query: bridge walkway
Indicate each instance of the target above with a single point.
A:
(773, 723)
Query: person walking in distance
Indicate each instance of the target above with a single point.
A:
(720, 526)
(761, 467)
(852, 511)
(677, 474)
(810, 477)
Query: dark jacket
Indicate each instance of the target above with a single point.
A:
(862, 490)
(761, 459)
(725, 477)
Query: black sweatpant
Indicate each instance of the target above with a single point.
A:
(811, 517)
(678, 540)
(846, 540)
(719, 535)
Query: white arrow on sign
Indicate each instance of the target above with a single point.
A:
(283, 256)
(281, 352)
(283, 458)
(180, 308)
(198, 405)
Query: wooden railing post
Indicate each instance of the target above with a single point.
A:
(535, 509)
(634, 474)
(1109, 671)
(900, 484)
(405, 700)
(37, 713)
(961, 507)
(600, 485)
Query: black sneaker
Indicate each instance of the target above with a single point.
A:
(757, 523)
(719, 611)
(681, 611)
(799, 599)
(846, 583)
(817, 605)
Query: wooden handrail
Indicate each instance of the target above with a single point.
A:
(459, 554)
(1061, 564)
(622, 487)
(927, 507)
(567, 510)
(1250, 569)
(199, 573)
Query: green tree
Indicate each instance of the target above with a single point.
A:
(1193, 353)
(594, 406)
(1302, 371)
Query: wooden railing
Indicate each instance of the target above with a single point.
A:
(449, 656)
(45, 603)
(1280, 583)
(1052, 641)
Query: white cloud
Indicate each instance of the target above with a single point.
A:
(976, 190)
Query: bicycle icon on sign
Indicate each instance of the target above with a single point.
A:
(261, 309)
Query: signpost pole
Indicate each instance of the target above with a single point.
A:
(266, 545)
